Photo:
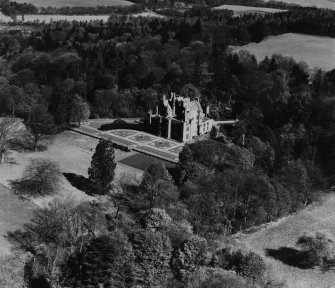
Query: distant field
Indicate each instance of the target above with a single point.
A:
(316, 51)
(86, 3)
(48, 18)
(326, 4)
(148, 14)
(239, 10)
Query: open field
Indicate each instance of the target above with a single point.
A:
(284, 233)
(325, 4)
(49, 18)
(240, 10)
(316, 51)
(84, 3)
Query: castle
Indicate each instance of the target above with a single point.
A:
(179, 118)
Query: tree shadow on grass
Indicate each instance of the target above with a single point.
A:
(292, 257)
(81, 183)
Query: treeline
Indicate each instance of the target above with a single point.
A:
(252, 3)
(97, 10)
(12, 9)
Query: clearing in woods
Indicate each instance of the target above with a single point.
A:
(316, 51)
(284, 233)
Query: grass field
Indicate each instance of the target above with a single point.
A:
(326, 4)
(316, 51)
(84, 3)
(13, 213)
(284, 233)
(143, 161)
(240, 10)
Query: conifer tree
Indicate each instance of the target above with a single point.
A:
(103, 165)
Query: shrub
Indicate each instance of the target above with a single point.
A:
(249, 265)
(40, 178)
(215, 278)
(319, 246)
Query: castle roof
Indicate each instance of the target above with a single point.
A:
(193, 105)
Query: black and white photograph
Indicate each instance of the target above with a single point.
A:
(167, 143)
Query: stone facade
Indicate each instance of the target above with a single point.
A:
(178, 118)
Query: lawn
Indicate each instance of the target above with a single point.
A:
(143, 161)
(84, 3)
(316, 51)
(13, 213)
(284, 233)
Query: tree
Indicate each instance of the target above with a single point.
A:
(40, 178)
(264, 154)
(102, 170)
(6, 132)
(80, 110)
(191, 255)
(250, 265)
(55, 232)
(40, 125)
(157, 188)
(156, 219)
(107, 260)
(153, 252)
(190, 91)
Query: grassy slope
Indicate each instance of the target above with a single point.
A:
(316, 51)
(72, 152)
(284, 233)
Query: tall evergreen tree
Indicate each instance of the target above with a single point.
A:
(103, 165)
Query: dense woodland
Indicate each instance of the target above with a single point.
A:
(174, 228)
